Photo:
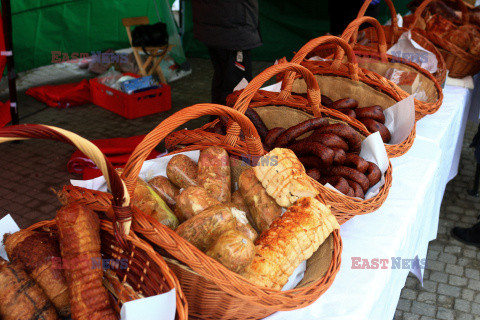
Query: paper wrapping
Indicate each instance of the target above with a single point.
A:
(408, 49)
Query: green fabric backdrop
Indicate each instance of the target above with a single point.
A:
(79, 26)
(83, 26)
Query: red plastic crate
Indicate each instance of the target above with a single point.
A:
(133, 105)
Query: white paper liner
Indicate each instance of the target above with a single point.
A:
(408, 49)
(241, 85)
(7, 225)
(158, 167)
(400, 119)
(159, 307)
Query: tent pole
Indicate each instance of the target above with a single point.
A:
(7, 30)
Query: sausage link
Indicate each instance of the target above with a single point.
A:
(340, 156)
(324, 153)
(311, 161)
(257, 122)
(296, 131)
(373, 173)
(355, 160)
(373, 112)
(326, 101)
(357, 189)
(314, 173)
(344, 131)
(374, 126)
(351, 192)
(348, 173)
(338, 182)
(272, 135)
(344, 103)
(218, 128)
(348, 112)
(331, 140)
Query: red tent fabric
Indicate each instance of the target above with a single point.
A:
(5, 116)
(117, 150)
(63, 95)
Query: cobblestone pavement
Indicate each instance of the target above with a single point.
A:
(28, 171)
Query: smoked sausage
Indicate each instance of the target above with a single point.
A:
(373, 112)
(356, 161)
(374, 126)
(296, 131)
(346, 132)
(324, 153)
(344, 103)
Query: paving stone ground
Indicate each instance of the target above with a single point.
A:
(30, 169)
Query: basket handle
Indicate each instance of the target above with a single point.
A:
(351, 33)
(121, 198)
(391, 7)
(141, 152)
(243, 101)
(426, 3)
(337, 62)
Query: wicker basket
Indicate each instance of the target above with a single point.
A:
(288, 112)
(213, 291)
(393, 33)
(341, 80)
(147, 272)
(459, 62)
(380, 62)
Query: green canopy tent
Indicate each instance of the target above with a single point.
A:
(80, 27)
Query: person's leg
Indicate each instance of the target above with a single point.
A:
(470, 236)
(239, 66)
(218, 58)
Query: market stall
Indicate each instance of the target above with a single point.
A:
(313, 198)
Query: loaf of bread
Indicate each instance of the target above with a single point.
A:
(290, 240)
(35, 253)
(283, 177)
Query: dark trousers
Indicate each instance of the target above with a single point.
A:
(343, 12)
(229, 68)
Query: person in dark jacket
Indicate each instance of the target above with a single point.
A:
(230, 29)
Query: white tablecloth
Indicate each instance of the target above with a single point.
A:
(402, 227)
